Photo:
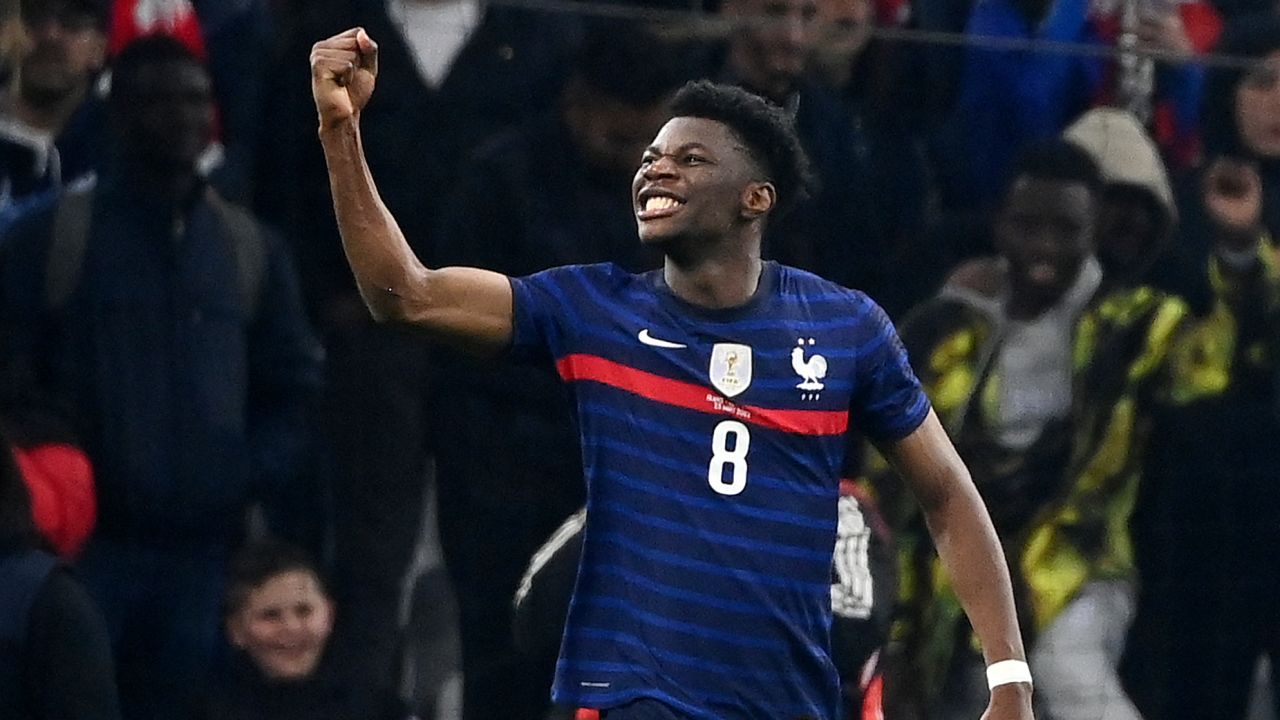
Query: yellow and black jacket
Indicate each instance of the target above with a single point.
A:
(1061, 506)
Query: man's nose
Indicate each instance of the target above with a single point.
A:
(795, 31)
(293, 622)
(662, 166)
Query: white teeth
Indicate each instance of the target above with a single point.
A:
(659, 202)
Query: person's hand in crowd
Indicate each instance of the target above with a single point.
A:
(343, 70)
(1233, 199)
(1163, 30)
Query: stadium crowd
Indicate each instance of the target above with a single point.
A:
(221, 468)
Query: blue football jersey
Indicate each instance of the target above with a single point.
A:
(712, 443)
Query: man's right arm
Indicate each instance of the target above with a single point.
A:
(465, 307)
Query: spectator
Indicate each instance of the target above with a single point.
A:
(171, 324)
(1010, 98)
(233, 36)
(840, 230)
(1137, 218)
(1164, 95)
(1040, 364)
(55, 658)
(50, 118)
(1213, 454)
(1241, 111)
(466, 70)
(867, 75)
(279, 616)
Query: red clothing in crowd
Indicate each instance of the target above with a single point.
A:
(60, 480)
(132, 19)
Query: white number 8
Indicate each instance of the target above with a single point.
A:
(736, 458)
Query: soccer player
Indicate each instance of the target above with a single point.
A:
(713, 397)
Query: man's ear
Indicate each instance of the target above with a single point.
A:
(758, 199)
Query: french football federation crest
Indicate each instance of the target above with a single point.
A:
(811, 370)
(730, 368)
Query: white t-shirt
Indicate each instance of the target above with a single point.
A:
(1034, 365)
(436, 31)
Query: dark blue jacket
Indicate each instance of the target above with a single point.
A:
(191, 404)
(28, 169)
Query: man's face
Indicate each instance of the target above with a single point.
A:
(610, 133)
(284, 625)
(167, 114)
(692, 181)
(773, 47)
(1045, 231)
(62, 47)
(1258, 108)
(845, 29)
(1130, 225)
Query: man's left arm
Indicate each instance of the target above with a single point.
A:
(969, 549)
(285, 372)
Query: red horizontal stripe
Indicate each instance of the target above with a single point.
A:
(592, 368)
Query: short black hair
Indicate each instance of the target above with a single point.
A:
(259, 562)
(147, 51)
(1059, 160)
(768, 131)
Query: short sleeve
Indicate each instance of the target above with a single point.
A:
(888, 402)
(543, 313)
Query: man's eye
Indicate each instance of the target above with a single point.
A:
(694, 159)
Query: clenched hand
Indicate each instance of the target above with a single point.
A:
(343, 70)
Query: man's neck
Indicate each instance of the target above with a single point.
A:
(50, 118)
(722, 278)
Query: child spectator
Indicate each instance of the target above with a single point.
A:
(279, 616)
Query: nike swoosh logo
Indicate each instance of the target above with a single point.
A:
(652, 341)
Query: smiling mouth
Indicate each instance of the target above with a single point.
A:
(658, 206)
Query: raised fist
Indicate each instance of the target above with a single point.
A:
(1233, 197)
(343, 70)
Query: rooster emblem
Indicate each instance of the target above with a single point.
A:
(811, 371)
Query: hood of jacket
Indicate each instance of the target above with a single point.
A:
(1124, 152)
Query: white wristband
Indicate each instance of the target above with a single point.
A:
(1007, 672)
